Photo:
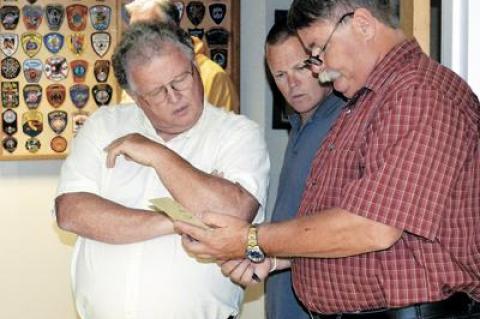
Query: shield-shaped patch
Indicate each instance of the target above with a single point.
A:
(100, 17)
(32, 70)
(101, 42)
(195, 12)
(56, 95)
(31, 43)
(218, 11)
(9, 43)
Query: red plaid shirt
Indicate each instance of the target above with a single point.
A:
(405, 152)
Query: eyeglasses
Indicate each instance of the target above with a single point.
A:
(314, 60)
(180, 83)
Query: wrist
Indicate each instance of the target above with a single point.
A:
(253, 252)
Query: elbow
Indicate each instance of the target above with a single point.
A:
(385, 236)
(62, 212)
(246, 205)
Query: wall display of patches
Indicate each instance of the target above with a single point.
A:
(55, 71)
(217, 23)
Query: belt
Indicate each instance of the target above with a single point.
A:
(457, 304)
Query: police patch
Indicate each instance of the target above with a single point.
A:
(57, 120)
(10, 94)
(218, 12)
(217, 36)
(56, 94)
(196, 32)
(102, 94)
(32, 123)
(220, 56)
(32, 17)
(33, 145)
(32, 70)
(76, 43)
(10, 144)
(53, 42)
(79, 94)
(10, 67)
(79, 70)
(9, 122)
(55, 14)
(56, 68)
(77, 17)
(58, 144)
(9, 16)
(180, 9)
(32, 94)
(9, 43)
(101, 70)
(100, 17)
(195, 12)
(100, 42)
(31, 43)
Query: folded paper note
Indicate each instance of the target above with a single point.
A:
(176, 211)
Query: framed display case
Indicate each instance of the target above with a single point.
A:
(217, 23)
(55, 72)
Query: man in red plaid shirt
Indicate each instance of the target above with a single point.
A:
(389, 222)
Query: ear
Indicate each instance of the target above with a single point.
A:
(365, 23)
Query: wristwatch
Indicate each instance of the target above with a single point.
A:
(253, 252)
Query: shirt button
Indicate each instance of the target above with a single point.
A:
(331, 147)
(348, 110)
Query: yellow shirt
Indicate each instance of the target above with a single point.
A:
(219, 88)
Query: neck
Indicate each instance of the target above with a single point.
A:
(390, 39)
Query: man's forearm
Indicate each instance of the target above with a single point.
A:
(91, 216)
(202, 192)
(330, 234)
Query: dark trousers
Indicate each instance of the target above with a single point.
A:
(457, 306)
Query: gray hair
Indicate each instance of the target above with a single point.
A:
(303, 13)
(143, 41)
(166, 11)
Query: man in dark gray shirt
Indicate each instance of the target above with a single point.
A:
(316, 108)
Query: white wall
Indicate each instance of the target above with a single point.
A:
(460, 41)
(34, 255)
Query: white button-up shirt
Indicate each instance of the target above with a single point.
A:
(156, 279)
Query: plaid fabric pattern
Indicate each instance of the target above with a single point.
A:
(404, 152)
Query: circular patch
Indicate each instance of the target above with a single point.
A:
(10, 68)
(58, 144)
(33, 145)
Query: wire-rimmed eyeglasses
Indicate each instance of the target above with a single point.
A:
(160, 94)
(315, 60)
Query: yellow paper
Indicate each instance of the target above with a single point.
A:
(176, 211)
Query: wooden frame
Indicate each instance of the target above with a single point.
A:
(415, 21)
(49, 139)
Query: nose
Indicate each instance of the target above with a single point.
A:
(172, 94)
(292, 81)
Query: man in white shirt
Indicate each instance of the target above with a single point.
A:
(128, 262)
